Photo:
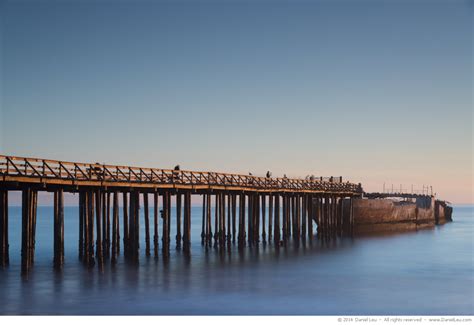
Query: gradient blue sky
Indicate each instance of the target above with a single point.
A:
(376, 91)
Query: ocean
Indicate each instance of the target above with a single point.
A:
(428, 272)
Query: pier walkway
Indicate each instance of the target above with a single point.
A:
(246, 209)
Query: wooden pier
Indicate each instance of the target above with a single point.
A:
(248, 210)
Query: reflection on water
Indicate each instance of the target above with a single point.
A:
(425, 272)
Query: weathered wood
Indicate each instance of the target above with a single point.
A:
(351, 218)
(155, 223)
(187, 221)
(264, 233)
(134, 225)
(256, 218)
(309, 216)
(25, 230)
(178, 220)
(147, 224)
(58, 229)
(276, 235)
(234, 215)
(90, 228)
(285, 217)
(4, 244)
(125, 223)
(164, 236)
(115, 223)
(98, 210)
(229, 217)
(209, 224)
(222, 219)
(270, 217)
(85, 257)
(81, 225)
(216, 220)
(104, 222)
(304, 217)
(34, 210)
(168, 222)
(242, 221)
(203, 228)
(29, 202)
(107, 233)
(250, 221)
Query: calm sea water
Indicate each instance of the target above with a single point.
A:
(425, 272)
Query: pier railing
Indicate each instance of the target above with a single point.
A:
(94, 172)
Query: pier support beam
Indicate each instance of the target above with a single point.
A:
(155, 223)
(115, 229)
(178, 220)
(4, 245)
(58, 229)
(166, 215)
(187, 222)
(208, 221)
(276, 235)
(29, 203)
(203, 228)
(234, 217)
(147, 224)
(98, 243)
(270, 218)
(125, 223)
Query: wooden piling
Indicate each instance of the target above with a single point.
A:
(222, 220)
(98, 210)
(229, 227)
(115, 223)
(178, 220)
(276, 235)
(241, 235)
(187, 222)
(25, 230)
(270, 217)
(107, 220)
(81, 225)
(203, 228)
(208, 219)
(216, 220)
(304, 217)
(103, 200)
(250, 220)
(134, 225)
(284, 217)
(298, 217)
(147, 224)
(125, 223)
(155, 223)
(234, 215)
(166, 220)
(90, 228)
(58, 228)
(310, 212)
(85, 257)
(34, 210)
(263, 205)
(4, 244)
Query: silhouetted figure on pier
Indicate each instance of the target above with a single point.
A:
(269, 174)
(175, 173)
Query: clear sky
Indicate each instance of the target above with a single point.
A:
(375, 91)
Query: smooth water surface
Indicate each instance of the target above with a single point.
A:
(424, 272)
